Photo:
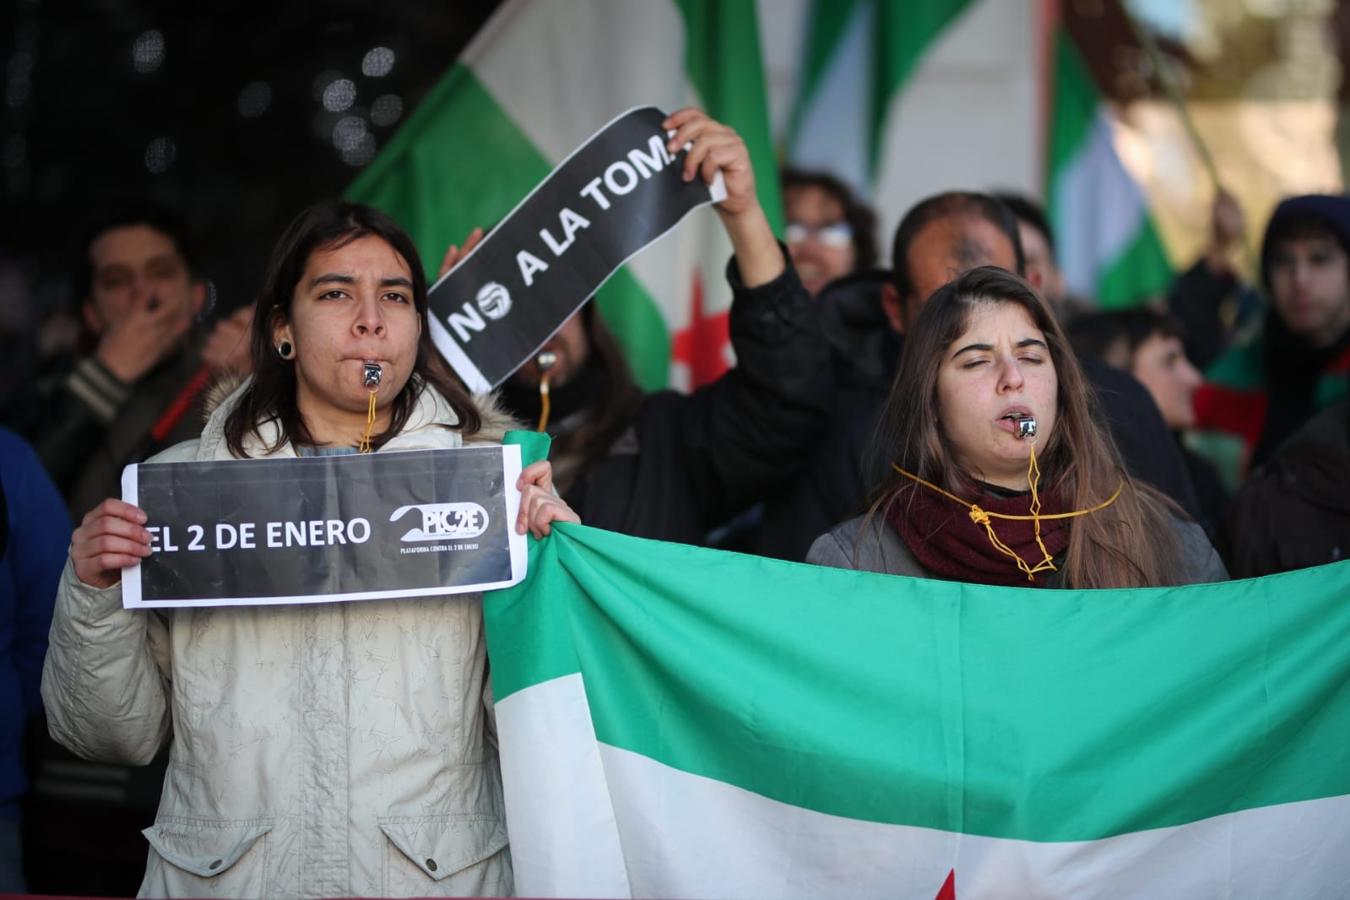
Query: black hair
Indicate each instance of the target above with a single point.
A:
(124, 214)
(271, 395)
(941, 206)
(861, 219)
(1095, 334)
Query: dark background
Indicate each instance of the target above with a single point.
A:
(214, 108)
(86, 89)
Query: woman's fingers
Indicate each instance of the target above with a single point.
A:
(539, 505)
(112, 536)
(540, 508)
(118, 508)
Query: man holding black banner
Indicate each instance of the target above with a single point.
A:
(671, 466)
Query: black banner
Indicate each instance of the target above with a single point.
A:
(358, 527)
(614, 195)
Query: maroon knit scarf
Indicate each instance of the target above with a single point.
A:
(946, 541)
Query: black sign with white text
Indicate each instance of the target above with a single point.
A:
(356, 527)
(613, 196)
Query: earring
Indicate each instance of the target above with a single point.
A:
(285, 350)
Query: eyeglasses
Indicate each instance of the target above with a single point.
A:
(837, 235)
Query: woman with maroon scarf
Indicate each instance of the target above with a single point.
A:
(972, 496)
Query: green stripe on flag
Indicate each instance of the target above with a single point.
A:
(1033, 714)
(1142, 272)
(824, 30)
(1074, 102)
(905, 31)
(723, 60)
(459, 162)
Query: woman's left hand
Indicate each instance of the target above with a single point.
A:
(538, 504)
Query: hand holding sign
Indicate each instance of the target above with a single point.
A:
(111, 537)
(716, 149)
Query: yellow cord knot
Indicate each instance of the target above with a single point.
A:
(981, 517)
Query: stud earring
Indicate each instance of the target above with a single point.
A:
(285, 350)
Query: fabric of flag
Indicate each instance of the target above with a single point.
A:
(676, 721)
(858, 54)
(537, 81)
(1108, 244)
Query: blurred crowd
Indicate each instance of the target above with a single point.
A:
(1226, 396)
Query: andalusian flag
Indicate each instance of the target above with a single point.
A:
(860, 55)
(906, 98)
(1109, 247)
(535, 83)
(682, 722)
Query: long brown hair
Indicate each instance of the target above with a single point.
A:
(271, 395)
(1128, 544)
(616, 401)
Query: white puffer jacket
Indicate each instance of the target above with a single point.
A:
(338, 749)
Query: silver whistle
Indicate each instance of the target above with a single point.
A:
(1024, 427)
(372, 374)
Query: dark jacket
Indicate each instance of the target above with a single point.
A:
(1211, 309)
(688, 462)
(86, 425)
(870, 544)
(1294, 512)
(866, 351)
(30, 567)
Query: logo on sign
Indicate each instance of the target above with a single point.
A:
(444, 521)
(494, 300)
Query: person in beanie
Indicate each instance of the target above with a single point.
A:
(1263, 389)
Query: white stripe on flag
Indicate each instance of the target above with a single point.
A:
(834, 134)
(564, 840)
(685, 835)
(1101, 207)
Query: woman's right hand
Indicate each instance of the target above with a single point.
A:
(111, 537)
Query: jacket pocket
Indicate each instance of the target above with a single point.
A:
(445, 855)
(207, 857)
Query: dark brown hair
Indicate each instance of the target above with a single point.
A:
(1129, 543)
(616, 401)
(271, 395)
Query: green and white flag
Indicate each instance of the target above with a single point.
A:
(906, 98)
(682, 722)
(858, 56)
(535, 82)
(1109, 248)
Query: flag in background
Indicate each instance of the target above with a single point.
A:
(857, 54)
(683, 722)
(1108, 244)
(907, 98)
(535, 82)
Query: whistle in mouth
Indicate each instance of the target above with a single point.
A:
(372, 374)
(1024, 427)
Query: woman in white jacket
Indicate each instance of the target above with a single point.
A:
(328, 749)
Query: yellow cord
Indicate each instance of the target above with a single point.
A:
(363, 446)
(544, 404)
(982, 517)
